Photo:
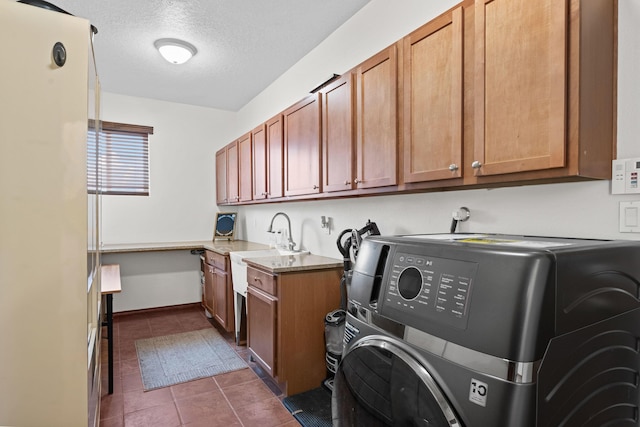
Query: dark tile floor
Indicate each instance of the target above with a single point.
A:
(247, 397)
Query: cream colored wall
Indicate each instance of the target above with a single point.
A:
(182, 201)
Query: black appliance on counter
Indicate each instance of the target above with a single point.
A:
(491, 330)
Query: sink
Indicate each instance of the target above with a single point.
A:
(239, 268)
(285, 252)
(239, 274)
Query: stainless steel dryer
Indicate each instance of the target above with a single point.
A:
(489, 331)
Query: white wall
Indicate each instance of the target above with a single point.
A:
(181, 201)
(181, 205)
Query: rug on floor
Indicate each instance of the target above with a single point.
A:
(311, 408)
(178, 358)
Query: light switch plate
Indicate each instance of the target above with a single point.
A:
(630, 217)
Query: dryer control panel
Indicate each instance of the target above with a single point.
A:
(421, 287)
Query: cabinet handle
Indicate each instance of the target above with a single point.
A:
(453, 167)
(347, 182)
(476, 164)
(255, 279)
(355, 181)
(315, 187)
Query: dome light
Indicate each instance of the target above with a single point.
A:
(175, 51)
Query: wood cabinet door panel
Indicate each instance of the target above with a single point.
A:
(217, 260)
(208, 297)
(261, 322)
(433, 100)
(232, 173)
(520, 85)
(376, 113)
(221, 177)
(245, 183)
(275, 159)
(302, 147)
(338, 135)
(221, 298)
(261, 280)
(259, 162)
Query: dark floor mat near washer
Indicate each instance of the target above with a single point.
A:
(311, 408)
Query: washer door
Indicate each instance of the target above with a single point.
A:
(381, 383)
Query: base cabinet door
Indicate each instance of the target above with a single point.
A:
(261, 322)
(207, 292)
(221, 299)
(217, 295)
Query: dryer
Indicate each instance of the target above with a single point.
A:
(491, 330)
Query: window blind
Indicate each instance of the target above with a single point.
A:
(118, 160)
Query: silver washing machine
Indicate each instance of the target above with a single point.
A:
(491, 330)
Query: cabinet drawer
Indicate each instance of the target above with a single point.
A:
(217, 260)
(261, 280)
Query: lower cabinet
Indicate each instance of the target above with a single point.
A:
(262, 324)
(285, 321)
(207, 289)
(217, 293)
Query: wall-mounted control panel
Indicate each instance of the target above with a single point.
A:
(624, 179)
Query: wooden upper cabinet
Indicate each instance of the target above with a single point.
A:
(377, 123)
(221, 177)
(233, 195)
(338, 135)
(275, 161)
(302, 147)
(245, 181)
(433, 99)
(520, 86)
(259, 162)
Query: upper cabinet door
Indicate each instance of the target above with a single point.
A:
(377, 124)
(338, 135)
(244, 168)
(259, 161)
(302, 147)
(520, 85)
(221, 177)
(233, 195)
(433, 88)
(275, 160)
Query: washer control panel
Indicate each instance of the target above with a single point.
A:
(421, 287)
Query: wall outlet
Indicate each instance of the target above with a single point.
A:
(325, 224)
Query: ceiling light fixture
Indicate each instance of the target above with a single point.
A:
(175, 51)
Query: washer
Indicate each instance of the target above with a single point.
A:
(491, 330)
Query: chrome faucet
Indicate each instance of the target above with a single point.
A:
(291, 245)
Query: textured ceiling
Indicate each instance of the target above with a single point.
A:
(243, 45)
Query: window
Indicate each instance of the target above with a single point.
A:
(123, 161)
